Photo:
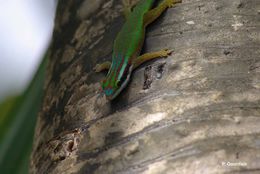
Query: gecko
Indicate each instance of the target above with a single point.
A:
(128, 45)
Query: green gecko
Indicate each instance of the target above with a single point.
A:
(128, 44)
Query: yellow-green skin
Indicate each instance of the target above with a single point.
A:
(127, 47)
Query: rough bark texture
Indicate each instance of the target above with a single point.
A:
(198, 111)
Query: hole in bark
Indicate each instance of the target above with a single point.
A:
(237, 155)
(70, 146)
(147, 77)
(133, 152)
(219, 7)
(200, 7)
(226, 52)
(160, 69)
(240, 5)
(62, 158)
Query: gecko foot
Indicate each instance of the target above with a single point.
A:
(171, 3)
(101, 67)
(97, 68)
(166, 52)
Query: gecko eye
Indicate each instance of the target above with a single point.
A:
(118, 83)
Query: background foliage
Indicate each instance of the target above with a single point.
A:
(17, 122)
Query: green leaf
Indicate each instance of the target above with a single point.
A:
(17, 122)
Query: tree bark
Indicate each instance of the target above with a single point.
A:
(195, 112)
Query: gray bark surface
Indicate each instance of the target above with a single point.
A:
(198, 111)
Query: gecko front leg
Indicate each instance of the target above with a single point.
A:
(102, 67)
(127, 8)
(149, 56)
(153, 14)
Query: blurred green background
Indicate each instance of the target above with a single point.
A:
(17, 123)
(25, 31)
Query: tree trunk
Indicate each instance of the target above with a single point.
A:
(195, 112)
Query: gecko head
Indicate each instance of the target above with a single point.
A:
(112, 88)
(109, 89)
